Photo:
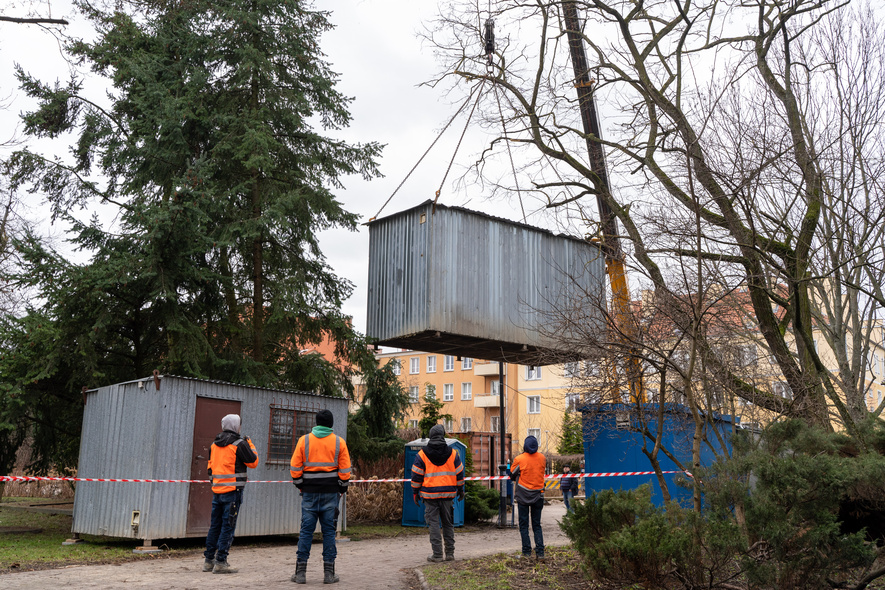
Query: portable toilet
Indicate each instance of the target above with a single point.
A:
(414, 515)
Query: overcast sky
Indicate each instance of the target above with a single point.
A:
(377, 52)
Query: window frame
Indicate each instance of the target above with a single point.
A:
(466, 395)
(431, 363)
(414, 394)
(278, 452)
(397, 367)
(532, 373)
(533, 401)
(466, 363)
(448, 395)
(448, 363)
(414, 365)
(468, 421)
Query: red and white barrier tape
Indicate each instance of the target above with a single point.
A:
(10, 478)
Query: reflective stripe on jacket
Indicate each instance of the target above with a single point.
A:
(227, 472)
(320, 462)
(435, 482)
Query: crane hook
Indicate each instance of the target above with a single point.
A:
(490, 41)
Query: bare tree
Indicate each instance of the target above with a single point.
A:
(742, 156)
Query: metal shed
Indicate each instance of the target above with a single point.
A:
(161, 428)
(454, 281)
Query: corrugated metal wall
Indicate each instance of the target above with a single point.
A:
(141, 433)
(469, 274)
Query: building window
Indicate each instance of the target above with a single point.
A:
(466, 363)
(413, 394)
(414, 365)
(534, 404)
(431, 364)
(287, 425)
(431, 392)
(413, 424)
(466, 424)
(782, 389)
(448, 363)
(536, 432)
(572, 401)
(466, 391)
(495, 423)
(449, 392)
(449, 425)
(747, 355)
(495, 387)
(532, 373)
(571, 370)
(396, 366)
(591, 369)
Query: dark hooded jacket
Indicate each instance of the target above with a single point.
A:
(438, 453)
(437, 450)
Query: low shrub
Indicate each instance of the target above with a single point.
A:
(480, 502)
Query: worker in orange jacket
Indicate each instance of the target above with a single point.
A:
(437, 477)
(320, 469)
(528, 470)
(229, 457)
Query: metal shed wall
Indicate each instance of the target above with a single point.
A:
(143, 433)
(459, 282)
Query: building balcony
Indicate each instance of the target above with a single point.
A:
(487, 369)
(487, 401)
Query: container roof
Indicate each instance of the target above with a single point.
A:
(422, 442)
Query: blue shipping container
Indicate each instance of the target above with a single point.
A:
(611, 445)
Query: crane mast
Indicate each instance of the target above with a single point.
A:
(611, 243)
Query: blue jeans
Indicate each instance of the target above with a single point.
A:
(567, 495)
(535, 509)
(322, 507)
(225, 508)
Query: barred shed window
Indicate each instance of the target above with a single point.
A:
(287, 425)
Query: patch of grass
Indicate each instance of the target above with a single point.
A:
(363, 531)
(561, 571)
(23, 551)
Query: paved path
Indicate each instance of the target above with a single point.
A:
(380, 564)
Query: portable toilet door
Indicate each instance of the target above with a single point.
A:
(414, 515)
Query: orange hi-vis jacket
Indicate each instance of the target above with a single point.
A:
(227, 470)
(320, 464)
(529, 469)
(437, 482)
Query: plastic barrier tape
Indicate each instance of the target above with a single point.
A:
(5, 478)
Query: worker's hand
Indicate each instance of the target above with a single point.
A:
(417, 499)
(461, 493)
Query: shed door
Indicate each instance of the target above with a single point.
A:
(207, 425)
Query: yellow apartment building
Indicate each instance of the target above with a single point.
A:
(534, 397)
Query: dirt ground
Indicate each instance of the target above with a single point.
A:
(380, 564)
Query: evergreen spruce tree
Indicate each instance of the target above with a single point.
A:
(211, 147)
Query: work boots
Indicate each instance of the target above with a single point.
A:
(329, 576)
(222, 567)
(208, 565)
(300, 575)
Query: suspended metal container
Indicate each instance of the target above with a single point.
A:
(453, 281)
(162, 428)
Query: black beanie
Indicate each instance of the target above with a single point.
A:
(325, 418)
